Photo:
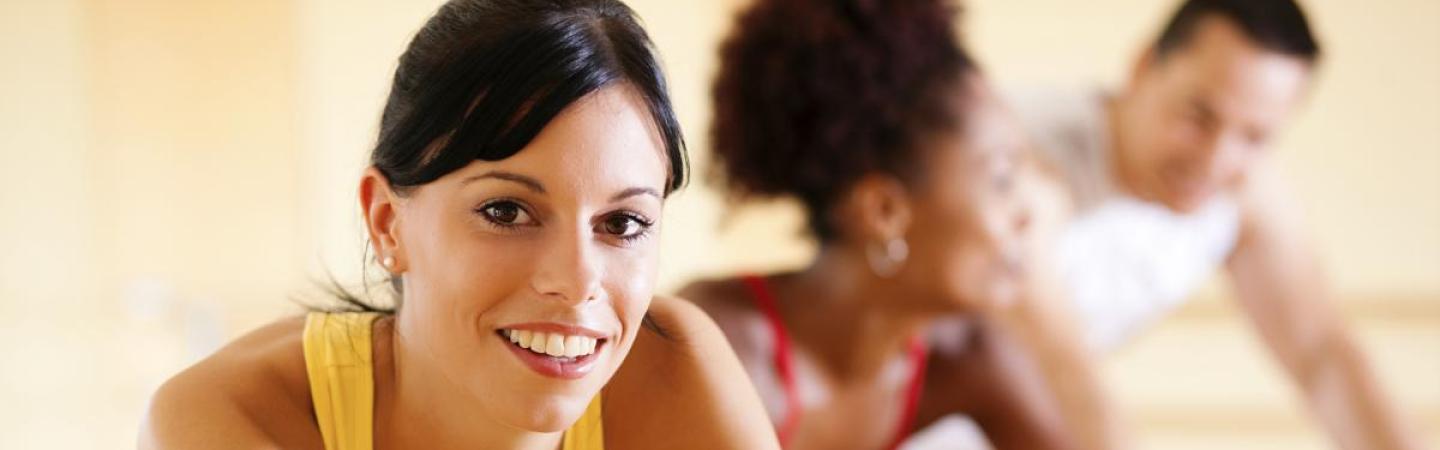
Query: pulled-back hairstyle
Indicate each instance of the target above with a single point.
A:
(814, 94)
(483, 77)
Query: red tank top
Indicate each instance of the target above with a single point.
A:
(765, 301)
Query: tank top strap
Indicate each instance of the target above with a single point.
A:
(918, 354)
(588, 433)
(765, 302)
(338, 363)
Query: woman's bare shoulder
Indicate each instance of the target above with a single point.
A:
(252, 393)
(679, 336)
(682, 385)
(729, 303)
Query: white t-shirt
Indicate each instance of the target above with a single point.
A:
(1127, 262)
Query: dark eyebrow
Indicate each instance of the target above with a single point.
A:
(634, 191)
(528, 182)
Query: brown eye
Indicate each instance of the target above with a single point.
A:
(625, 226)
(505, 213)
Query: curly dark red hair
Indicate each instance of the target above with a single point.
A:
(814, 94)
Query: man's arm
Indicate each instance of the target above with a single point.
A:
(1279, 285)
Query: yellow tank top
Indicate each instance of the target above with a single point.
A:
(342, 385)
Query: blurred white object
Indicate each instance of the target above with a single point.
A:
(953, 432)
(1127, 262)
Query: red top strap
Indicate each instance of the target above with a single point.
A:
(767, 304)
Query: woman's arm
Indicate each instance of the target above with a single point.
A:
(1013, 402)
(1044, 322)
(1047, 329)
(684, 389)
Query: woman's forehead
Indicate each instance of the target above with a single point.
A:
(605, 141)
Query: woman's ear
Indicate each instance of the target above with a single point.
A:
(379, 204)
(879, 209)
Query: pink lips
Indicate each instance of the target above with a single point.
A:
(551, 366)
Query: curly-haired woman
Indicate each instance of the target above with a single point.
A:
(872, 115)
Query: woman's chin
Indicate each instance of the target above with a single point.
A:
(997, 295)
(552, 416)
(1003, 298)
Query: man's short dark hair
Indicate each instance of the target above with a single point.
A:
(1275, 25)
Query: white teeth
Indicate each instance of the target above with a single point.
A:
(573, 346)
(553, 344)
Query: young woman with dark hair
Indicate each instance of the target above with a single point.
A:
(514, 197)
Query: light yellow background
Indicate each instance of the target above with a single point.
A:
(173, 173)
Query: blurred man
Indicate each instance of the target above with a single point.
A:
(1170, 181)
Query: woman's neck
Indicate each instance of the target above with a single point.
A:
(416, 406)
(854, 322)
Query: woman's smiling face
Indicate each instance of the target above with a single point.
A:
(526, 279)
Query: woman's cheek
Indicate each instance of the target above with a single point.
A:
(988, 278)
(633, 280)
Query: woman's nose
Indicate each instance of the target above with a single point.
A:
(569, 271)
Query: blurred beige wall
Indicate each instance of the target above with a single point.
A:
(46, 264)
(150, 168)
(174, 172)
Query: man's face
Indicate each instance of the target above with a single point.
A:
(1194, 120)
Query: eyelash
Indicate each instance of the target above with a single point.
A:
(646, 224)
(483, 212)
